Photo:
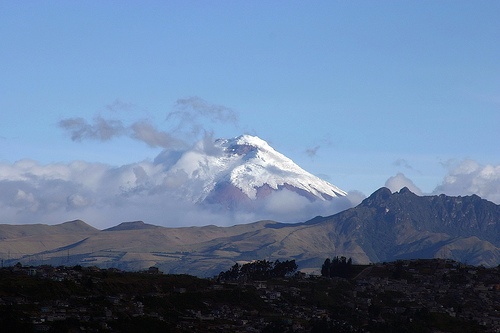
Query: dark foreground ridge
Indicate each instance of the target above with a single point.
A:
(404, 296)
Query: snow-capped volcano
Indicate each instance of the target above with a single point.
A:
(244, 168)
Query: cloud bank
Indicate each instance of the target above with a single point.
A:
(469, 177)
(464, 178)
(399, 181)
(105, 195)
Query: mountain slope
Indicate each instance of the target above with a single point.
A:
(17, 241)
(384, 227)
(403, 225)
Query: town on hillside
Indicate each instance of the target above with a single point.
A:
(434, 295)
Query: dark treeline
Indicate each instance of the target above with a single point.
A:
(339, 267)
(259, 270)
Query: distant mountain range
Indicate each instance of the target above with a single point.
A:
(237, 171)
(384, 227)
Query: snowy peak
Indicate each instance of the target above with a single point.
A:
(243, 144)
(264, 166)
(246, 168)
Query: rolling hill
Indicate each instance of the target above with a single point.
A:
(384, 227)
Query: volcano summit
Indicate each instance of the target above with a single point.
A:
(241, 170)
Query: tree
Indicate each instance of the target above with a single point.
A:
(284, 268)
(340, 267)
(259, 270)
(325, 269)
(230, 275)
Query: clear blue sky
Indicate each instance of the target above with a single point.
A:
(354, 91)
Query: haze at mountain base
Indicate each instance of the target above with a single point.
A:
(221, 182)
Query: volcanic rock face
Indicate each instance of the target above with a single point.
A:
(390, 226)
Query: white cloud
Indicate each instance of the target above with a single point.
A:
(104, 196)
(401, 162)
(147, 133)
(118, 106)
(399, 181)
(188, 112)
(26, 200)
(78, 201)
(470, 177)
(288, 206)
(285, 203)
(100, 129)
(354, 198)
(311, 152)
(189, 120)
(152, 191)
(193, 117)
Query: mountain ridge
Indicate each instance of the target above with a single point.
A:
(134, 225)
(384, 227)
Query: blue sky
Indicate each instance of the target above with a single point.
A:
(361, 93)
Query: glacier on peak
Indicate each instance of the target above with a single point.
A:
(247, 164)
